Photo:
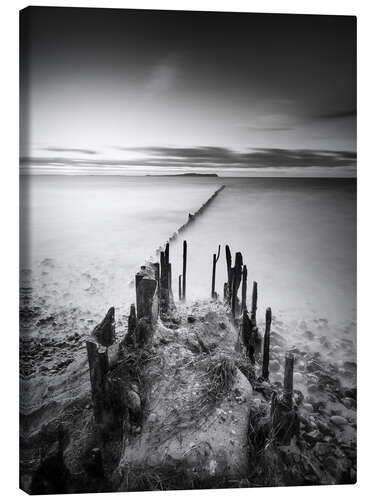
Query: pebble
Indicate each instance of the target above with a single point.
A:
(152, 418)
(312, 388)
(338, 420)
(308, 407)
(349, 402)
(298, 377)
(322, 448)
(275, 366)
(308, 334)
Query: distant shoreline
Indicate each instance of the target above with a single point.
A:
(182, 175)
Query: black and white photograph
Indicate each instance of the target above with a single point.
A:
(188, 250)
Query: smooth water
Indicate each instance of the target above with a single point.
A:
(84, 237)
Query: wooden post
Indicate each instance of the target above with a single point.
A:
(179, 287)
(228, 256)
(247, 336)
(104, 332)
(166, 253)
(145, 295)
(254, 302)
(266, 345)
(99, 367)
(164, 280)
(236, 280)
(225, 292)
(214, 261)
(244, 289)
(170, 279)
(132, 323)
(156, 267)
(288, 380)
(184, 271)
(284, 417)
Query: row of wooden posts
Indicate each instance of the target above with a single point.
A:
(154, 298)
(248, 323)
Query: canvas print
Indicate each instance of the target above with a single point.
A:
(188, 250)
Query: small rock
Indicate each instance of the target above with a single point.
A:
(312, 366)
(321, 449)
(298, 377)
(152, 418)
(349, 402)
(308, 407)
(312, 388)
(191, 319)
(274, 365)
(308, 334)
(338, 420)
(133, 401)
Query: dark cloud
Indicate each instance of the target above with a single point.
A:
(265, 129)
(72, 150)
(347, 113)
(213, 157)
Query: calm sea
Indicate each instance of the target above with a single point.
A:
(84, 237)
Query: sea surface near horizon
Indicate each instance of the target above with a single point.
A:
(83, 238)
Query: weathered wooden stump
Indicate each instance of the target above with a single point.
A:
(104, 332)
(288, 380)
(244, 289)
(184, 258)
(284, 415)
(254, 302)
(248, 336)
(164, 280)
(215, 258)
(266, 345)
(145, 295)
(180, 287)
(228, 287)
(100, 390)
(236, 274)
(132, 323)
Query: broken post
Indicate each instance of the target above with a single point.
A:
(247, 336)
(236, 274)
(288, 381)
(170, 279)
(284, 416)
(244, 289)
(179, 287)
(145, 297)
(266, 345)
(215, 258)
(228, 257)
(164, 280)
(254, 301)
(225, 291)
(184, 271)
(104, 332)
(228, 288)
(99, 367)
(132, 323)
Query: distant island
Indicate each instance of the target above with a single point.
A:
(192, 174)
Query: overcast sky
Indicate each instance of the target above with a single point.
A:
(125, 91)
